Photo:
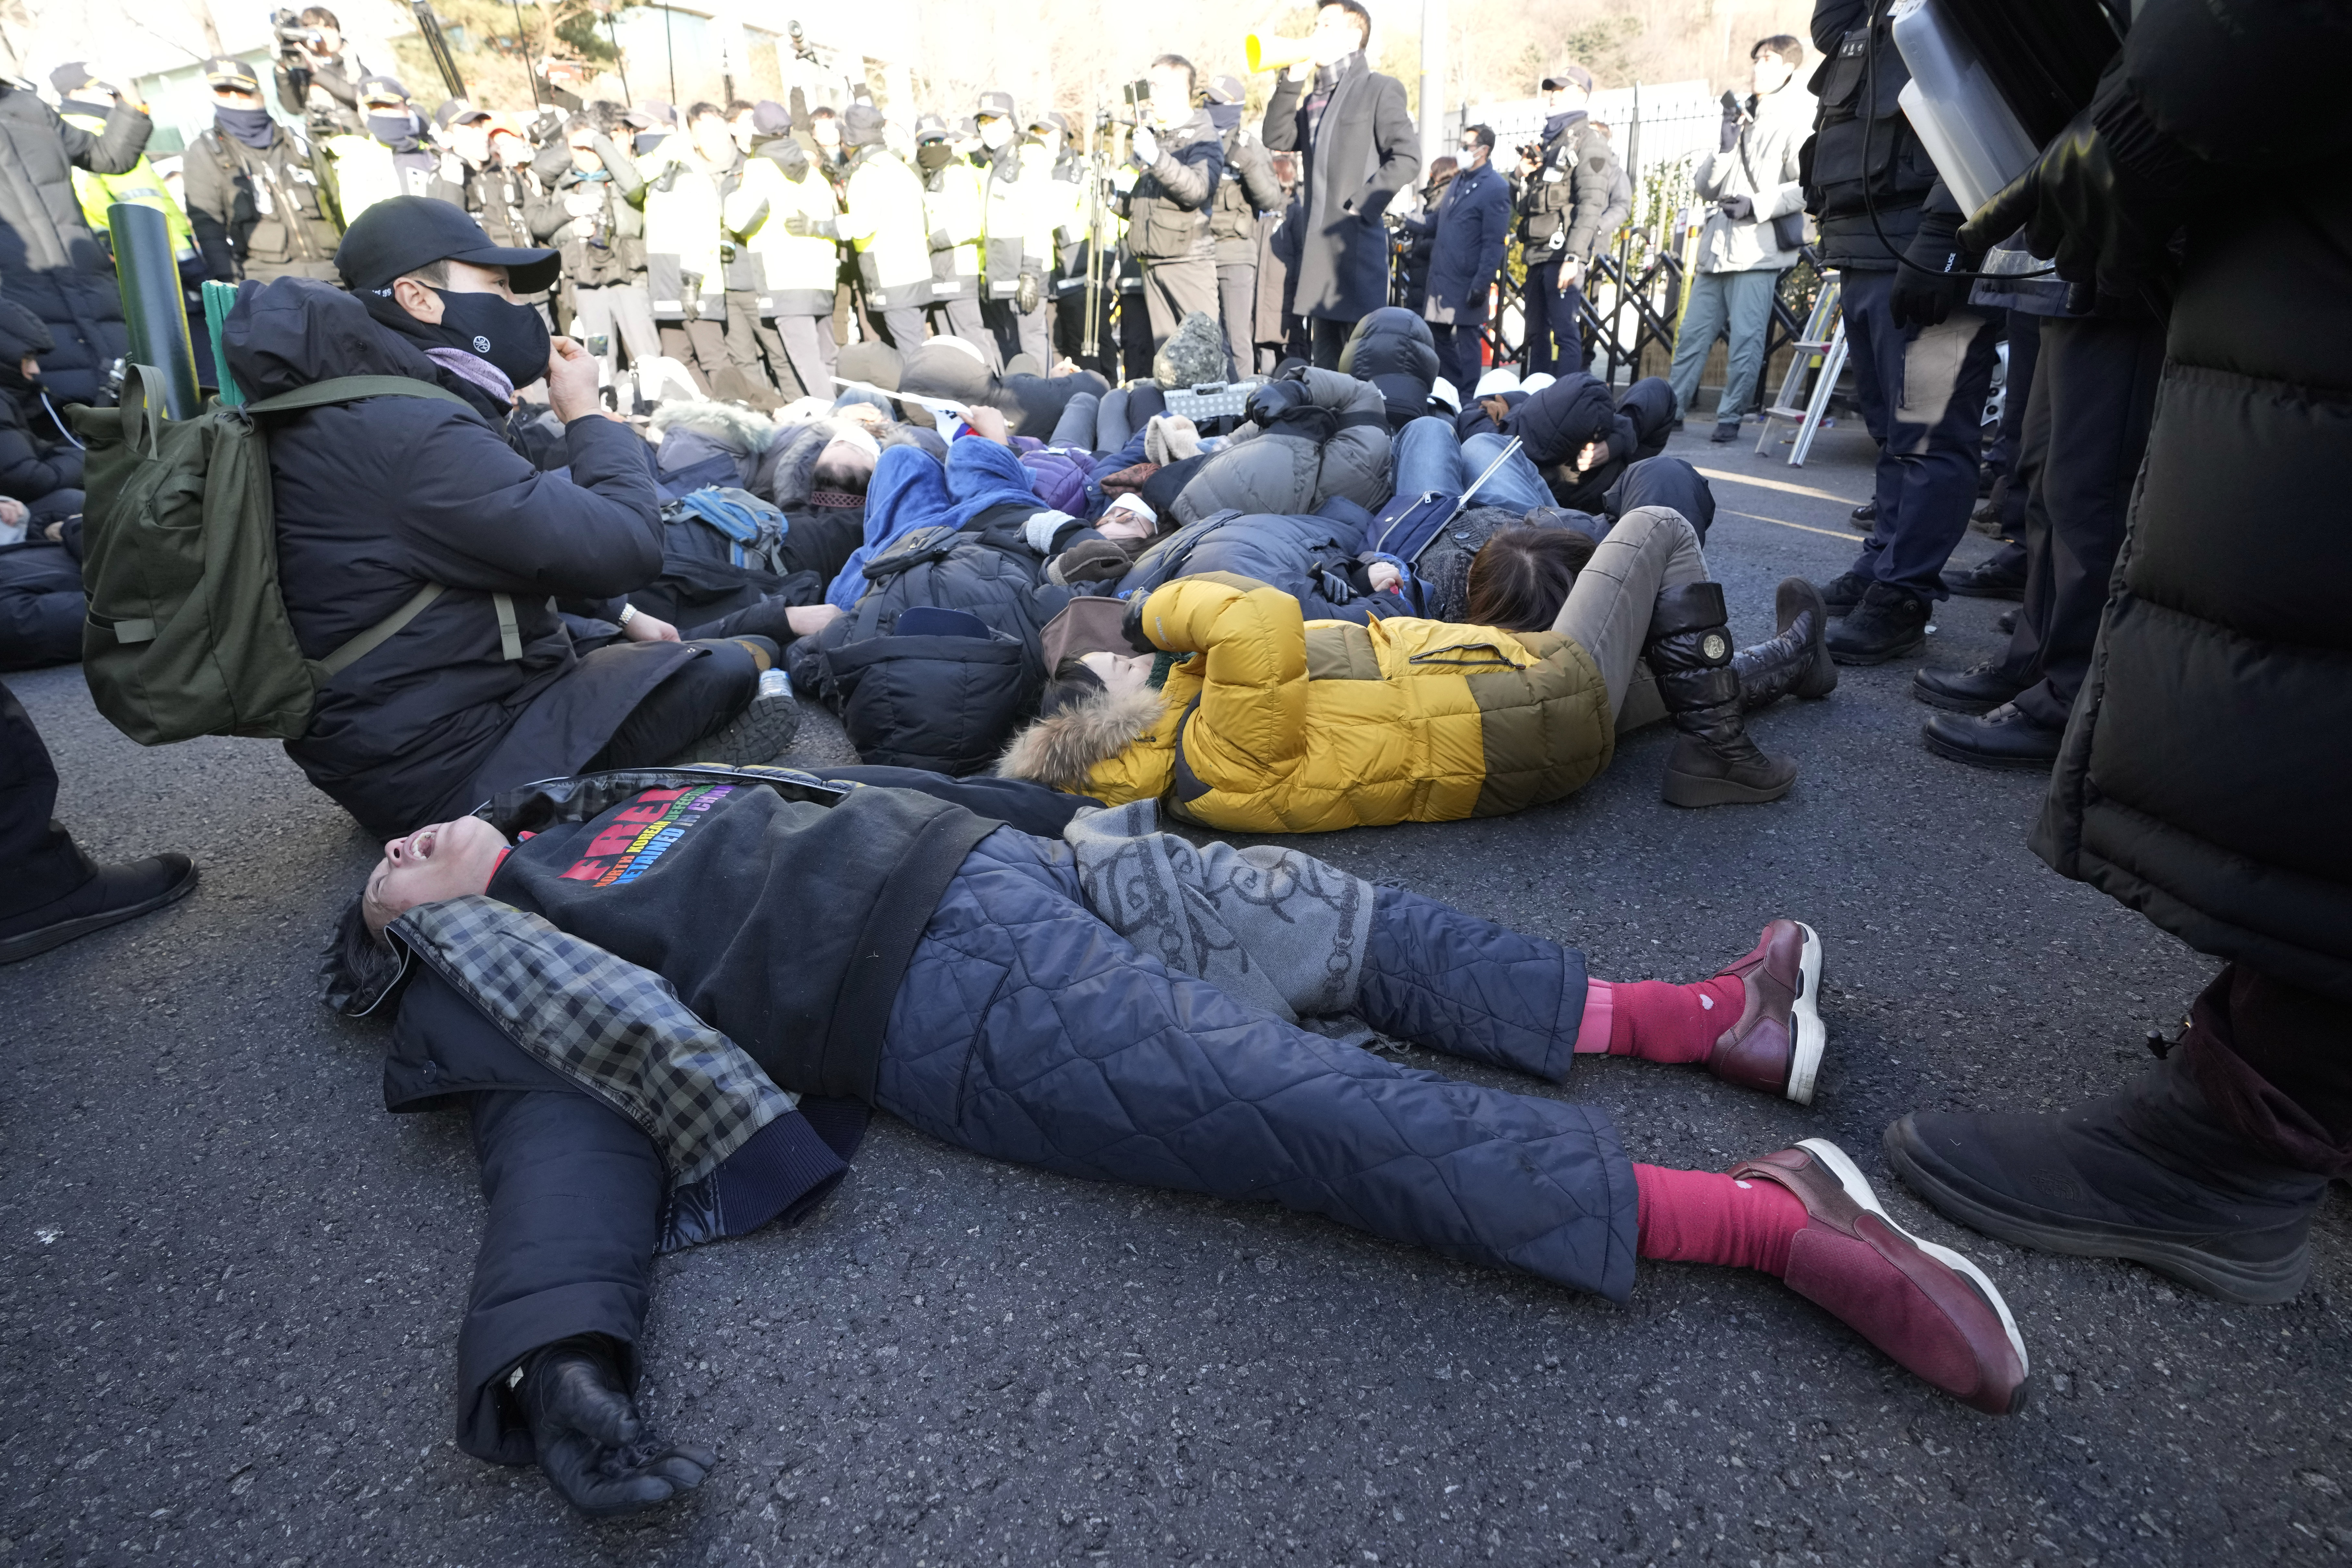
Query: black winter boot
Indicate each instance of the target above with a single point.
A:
(1795, 662)
(1714, 762)
(2149, 1175)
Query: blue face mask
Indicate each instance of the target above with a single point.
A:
(250, 126)
(397, 131)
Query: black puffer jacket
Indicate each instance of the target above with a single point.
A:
(377, 500)
(30, 467)
(2202, 780)
(1312, 558)
(1555, 424)
(1866, 171)
(945, 704)
(51, 262)
(1392, 349)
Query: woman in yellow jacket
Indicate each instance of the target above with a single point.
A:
(1266, 722)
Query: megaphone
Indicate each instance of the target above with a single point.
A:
(1264, 54)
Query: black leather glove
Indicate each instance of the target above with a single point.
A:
(1926, 291)
(1028, 293)
(1274, 399)
(1739, 210)
(2104, 200)
(592, 1445)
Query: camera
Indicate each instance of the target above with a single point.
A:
(292, 36)
(1137, 94)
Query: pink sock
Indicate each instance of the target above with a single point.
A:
(1698, 1217)
(1655, 1021)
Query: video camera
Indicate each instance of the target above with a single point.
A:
(293, 38)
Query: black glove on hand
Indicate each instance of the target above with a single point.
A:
(1926, 291)
(1089, 560)
(1730, 122)
(1274, 399)
(591, 1443)
(1739, 210)
(1028, 293)
(2105, 199)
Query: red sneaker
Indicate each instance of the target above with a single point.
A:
(1776, 1043)
(1925, 1306)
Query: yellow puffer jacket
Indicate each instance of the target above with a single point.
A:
(1279, 724)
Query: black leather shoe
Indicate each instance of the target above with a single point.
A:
(1842, 592)
(1979, 688)
(2003, 738)
(1865, 516)
(2149, 1175)
(117, 893)
(2006, 622)
(1998, 578)
(1725, 431)
(1889, 623)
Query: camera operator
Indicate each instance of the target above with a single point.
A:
(1358, 150)
(1247, 193)
(382, 502)
(252, 195)
(314, 83)
(1573, 198)
(1752, 180)
(1168, 212)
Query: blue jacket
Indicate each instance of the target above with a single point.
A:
(910, 490)
(1473, 221)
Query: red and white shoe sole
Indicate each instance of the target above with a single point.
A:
(1857, 1187)
(1812, 1039)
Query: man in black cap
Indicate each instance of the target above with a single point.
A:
(1247, 192)
(418, 507)
(250, 191)
(1568, 210)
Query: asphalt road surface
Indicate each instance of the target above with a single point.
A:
(232, 1284)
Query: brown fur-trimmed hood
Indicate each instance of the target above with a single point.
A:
(1066, 745)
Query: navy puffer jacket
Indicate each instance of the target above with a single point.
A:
(1306, 556)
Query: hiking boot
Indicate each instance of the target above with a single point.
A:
(1795, 662)
(2001, 576)
(1925, 1306)
(1889, 623)
(2149, 1175)
(1979, 688)
(1775, 1044)
(116, 894)
(2004, 738)
(1714, 762)
(1843, 592)
(760, 731)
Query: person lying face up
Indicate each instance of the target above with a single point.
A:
(624, 998)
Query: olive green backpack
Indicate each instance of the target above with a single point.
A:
(187, 634)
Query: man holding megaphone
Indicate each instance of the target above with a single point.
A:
(1360, 150)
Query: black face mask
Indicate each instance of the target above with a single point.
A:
(510, 336)
(397, 131)
(934, 155)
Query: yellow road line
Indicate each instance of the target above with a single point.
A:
(1802, 527)
(1775, 485)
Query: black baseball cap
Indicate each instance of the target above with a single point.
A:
(401, 234)
(456, 110)
(997, 103)
(386, 87)
(1570, 75)
(228, 70)
(930, 128)
(1225, 89)
(73, 75)
(1051, 120)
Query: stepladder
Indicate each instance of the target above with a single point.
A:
(1822, 347)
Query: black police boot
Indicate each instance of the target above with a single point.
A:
(1979, 688)
(1998, 576)
(2149, 1175)
(2004, 738)
(1889, 623)
(117, 893)
(1842, 593)
(1795, 662)
(1714, 762)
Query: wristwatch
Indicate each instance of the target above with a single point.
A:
(629, 612)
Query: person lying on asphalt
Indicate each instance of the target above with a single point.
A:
(619, 978)
(1245, 716)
